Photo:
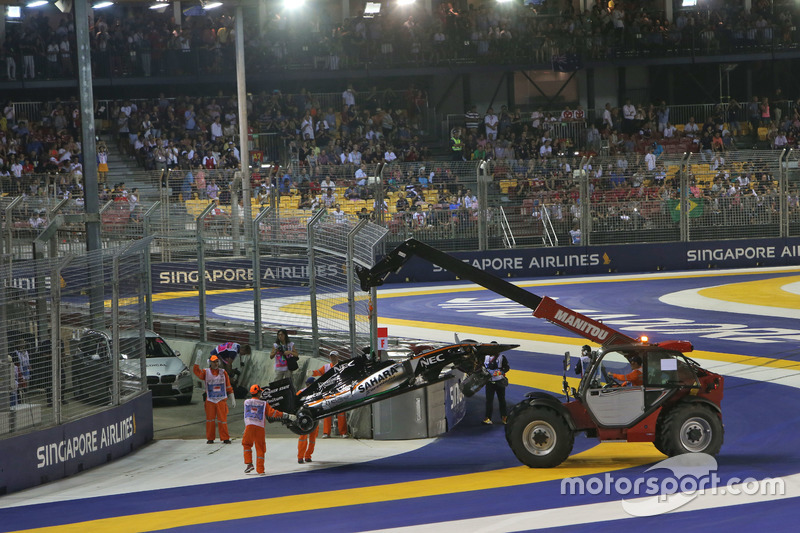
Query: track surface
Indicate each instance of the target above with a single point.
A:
(744, 324)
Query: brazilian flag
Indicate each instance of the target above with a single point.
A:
(696, 208)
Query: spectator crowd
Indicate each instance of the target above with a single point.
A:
(132, 40)
(329, 152)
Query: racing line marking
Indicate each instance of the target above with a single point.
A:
(604, 457)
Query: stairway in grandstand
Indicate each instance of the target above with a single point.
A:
(122, 168)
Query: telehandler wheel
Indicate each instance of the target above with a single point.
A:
(692, 428)
(540, 437)
(659, 440)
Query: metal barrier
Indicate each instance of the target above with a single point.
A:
(202, 235)
(627, 202)
(612, 198)
(27, 110)
(73, 327)
(734, 195)
(791, 192)
(99, 301)
(426, 200)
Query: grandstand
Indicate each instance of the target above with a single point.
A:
(162, 146)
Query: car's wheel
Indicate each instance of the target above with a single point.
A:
(78, 390)
(78, 382)
(540, 437)
(692, 428)
(184, 400)
(304, 424)
(102, 395)
(475, 382)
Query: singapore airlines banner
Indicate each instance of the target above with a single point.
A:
(520, 263)
(238, 273)
(630, 258)
(57, 452)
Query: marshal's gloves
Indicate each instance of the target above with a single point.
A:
(290, 417)
(231, 401)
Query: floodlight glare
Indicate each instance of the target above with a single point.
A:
(101, 5)
(405, 2)
(37, 3)
(212, 5)
(293, 4)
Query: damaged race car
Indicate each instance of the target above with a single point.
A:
(363, 380)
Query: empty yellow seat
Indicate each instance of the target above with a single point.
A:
(195, 207)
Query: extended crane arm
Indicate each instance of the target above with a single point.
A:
(394, 261)
(545, 308)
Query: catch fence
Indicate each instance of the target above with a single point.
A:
(73, 326)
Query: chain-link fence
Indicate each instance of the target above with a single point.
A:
(629, 199)
(454, 205)
(635, 198)
(791, 193)
(734, 195)
(300, 276)
(73, 329)
(336, 237)
(433, 201)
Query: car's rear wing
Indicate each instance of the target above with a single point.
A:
(545, 308)
(281, 395)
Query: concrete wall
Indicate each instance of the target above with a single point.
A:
(258, 369)
(606, 88)
(560, 87)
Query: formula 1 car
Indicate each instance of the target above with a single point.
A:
(673, 402)
(363, 380)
